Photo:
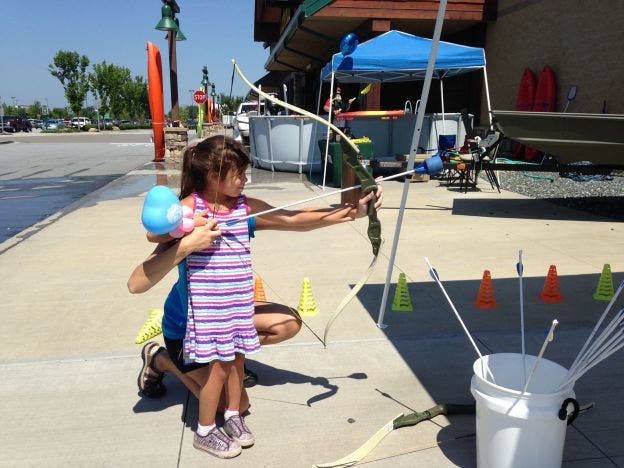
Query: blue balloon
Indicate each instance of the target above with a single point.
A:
(348, 44)
(162, 211)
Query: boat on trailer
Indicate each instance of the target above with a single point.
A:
(569, 138)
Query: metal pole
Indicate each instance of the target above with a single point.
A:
(173, 79)
(412, 157)
(331, 105)
(487, 97)
(442, 101)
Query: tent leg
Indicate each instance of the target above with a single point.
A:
(487, 97)
(442, 101)
(331, 105)
(318, 112)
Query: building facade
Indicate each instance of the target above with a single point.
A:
(582, 41)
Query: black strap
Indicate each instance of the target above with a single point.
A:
(563, 411)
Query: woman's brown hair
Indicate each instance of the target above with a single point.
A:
(218, 154)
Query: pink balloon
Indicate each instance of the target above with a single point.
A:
(177, 232)
(187, 212)
(187, 225)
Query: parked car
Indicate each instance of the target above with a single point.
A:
(15, 123)
(80, 122)
(52, 124)
(36, 123)
(191, 123)
(241, 119)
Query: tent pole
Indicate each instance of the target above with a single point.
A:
(320, 92)
(318, 112)
(331, 105)
(442, 100)
(412, 157)
(487, 96)
(489, 106)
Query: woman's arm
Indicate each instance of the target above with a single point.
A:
(166, 256)
(311, 218)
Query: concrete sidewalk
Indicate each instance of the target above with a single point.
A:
(70, 362)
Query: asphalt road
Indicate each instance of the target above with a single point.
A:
(42, 174)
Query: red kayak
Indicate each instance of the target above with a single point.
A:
(524, 101)
(545, 97)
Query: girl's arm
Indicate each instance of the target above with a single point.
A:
(311, 218)
(166, 256)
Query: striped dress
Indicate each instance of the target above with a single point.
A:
(220, 292)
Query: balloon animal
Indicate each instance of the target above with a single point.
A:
(164, 214)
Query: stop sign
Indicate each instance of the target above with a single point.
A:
(199, 97)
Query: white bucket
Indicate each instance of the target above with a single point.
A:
(516, 430)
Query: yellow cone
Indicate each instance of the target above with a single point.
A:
(259, 294)
(402, 301)
(604, 290)
(307, 305)
(152, 326)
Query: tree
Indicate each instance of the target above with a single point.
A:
(230, 104)
(107, 83)
(135, 98)
(70, 69)
(35, 109)
(57, 113)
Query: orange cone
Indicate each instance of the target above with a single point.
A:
(485, 296)
(259, 294)
(551, 291)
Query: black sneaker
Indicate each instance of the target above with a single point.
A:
(250, 379)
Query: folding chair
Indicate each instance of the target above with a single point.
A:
(479, 151)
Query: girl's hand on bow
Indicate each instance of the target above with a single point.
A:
(362, 207)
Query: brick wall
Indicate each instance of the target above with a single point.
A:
(582, 40)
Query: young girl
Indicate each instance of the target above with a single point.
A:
(208, 324)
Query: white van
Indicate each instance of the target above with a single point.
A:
(80, 122)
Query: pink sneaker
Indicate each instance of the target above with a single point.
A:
(218, 444)
(236, 428)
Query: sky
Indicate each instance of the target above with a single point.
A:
(116, 31)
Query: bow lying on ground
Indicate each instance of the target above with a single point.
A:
(350, 152)
(402, 420)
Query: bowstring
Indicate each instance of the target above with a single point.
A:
(215, 206)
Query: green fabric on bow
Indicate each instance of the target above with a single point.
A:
(350, 156)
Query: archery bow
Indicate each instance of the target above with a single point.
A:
(350, 152)
(402, 420)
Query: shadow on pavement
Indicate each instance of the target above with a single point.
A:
(534, 208)
(431, 342)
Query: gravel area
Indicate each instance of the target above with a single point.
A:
(601, 197)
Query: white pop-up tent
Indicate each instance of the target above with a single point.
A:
(396, 56)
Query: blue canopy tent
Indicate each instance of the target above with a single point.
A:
(396, 56)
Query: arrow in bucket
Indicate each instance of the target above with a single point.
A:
(549, 337)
